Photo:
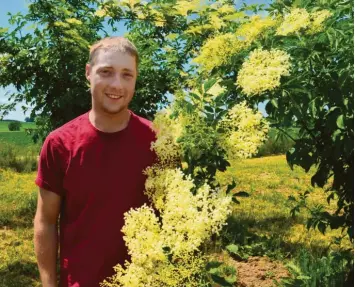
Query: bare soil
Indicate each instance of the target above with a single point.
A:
(259, 272)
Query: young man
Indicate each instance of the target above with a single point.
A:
(90, 173)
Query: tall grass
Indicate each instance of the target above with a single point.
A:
(20, 159)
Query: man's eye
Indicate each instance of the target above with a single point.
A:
(128, 75)
(105, 72)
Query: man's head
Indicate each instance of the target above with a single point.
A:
(112, 71)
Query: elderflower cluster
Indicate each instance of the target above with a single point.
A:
(295, 21)
(262, 71)
(184, 6)
(218, 50)
(168, 131)
(167, 253)
(251, 30)
(157, 181)
(188, 220)
(299, 19)
(317, 21)
(142, 236)
(244, 131)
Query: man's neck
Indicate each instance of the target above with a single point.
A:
(109, 123)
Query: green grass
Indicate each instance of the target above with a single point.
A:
(261, 225)
(20, 139)
(4, 126)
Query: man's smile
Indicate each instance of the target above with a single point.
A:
(113, 96)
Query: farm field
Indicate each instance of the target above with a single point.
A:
(4, 126)
(18, 138)
(267, 235)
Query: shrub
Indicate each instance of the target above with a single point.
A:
(277, 142)
(330, 270)
(14, 126)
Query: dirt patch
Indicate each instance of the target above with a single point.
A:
(259, 272)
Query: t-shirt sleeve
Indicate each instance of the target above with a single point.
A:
(50, 166)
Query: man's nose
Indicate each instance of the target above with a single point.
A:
(117, 81)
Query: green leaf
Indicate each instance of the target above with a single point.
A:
(209, 109)
(336, 135)
(340, 122)
(322, 227)
(195, 96)
(274, 103)
(232, 248)
(209, 84)
(213, 264)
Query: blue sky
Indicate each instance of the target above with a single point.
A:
(15, 6)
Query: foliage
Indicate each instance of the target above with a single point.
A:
(275, 147)
(29, 120)
(298, 59)
(168, 250)
(24, 161)
(308, 271)
(14, 126)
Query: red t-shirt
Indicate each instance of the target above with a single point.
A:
(99, 176)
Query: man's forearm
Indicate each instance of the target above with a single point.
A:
(46, 248)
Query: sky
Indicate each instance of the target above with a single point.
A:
(15, 6)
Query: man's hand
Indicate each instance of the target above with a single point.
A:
(46, 236)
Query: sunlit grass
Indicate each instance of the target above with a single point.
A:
(262, 220)
(270, 182)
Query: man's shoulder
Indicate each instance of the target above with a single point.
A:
(143, 127)
(142, 122)
(69, 129)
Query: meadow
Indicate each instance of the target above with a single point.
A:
(262, 240)
(18, 138)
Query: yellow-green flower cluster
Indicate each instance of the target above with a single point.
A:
(295, 21)
(317, 21)
(262, 71)
(168, 131)
(251, 30)
(218, 50)
(300, 20)
(188, 220)
(159, 179)
(184, 6)
(245, 130)
(142, 236)
(167, 253)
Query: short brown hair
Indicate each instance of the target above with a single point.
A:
(120, 44)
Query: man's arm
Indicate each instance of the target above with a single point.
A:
(46, 235)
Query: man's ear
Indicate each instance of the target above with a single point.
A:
(88, 71)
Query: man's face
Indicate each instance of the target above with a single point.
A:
(112, 81)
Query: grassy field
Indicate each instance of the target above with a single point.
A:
(4, 126)
(17, 138)
(261, 225)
